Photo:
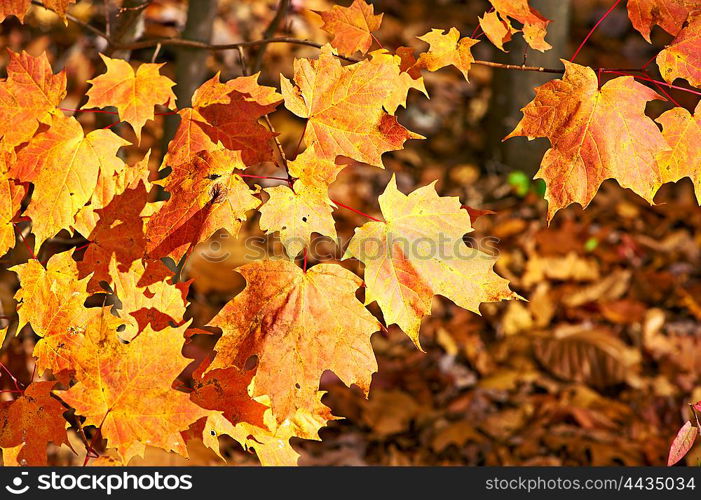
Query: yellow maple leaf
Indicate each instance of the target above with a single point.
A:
(447, 49)
(50, 299)
(297, 212)
(418, 252)
(64, 166)
(133, 93)
(344, 107)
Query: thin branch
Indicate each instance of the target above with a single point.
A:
(519, 67)
(357, 211)
(591, 31)
(82, 24)
(282, 9)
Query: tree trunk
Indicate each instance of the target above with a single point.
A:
(512, 90)
(191, 64)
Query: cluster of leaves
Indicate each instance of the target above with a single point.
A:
(114, 364)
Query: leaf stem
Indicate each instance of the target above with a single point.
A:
(357, 211)
(591, 31)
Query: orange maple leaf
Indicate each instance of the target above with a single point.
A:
(594, 135)
(418, 252)
(60, 7)
(125, 389)
(299, 325)
(313, 170)
(351, 27)
(498, 30)
(133, 93)
(534, 24)
(119, 232)
(447, 49)
(226, 113)
(667, 14)
(17, 8)
(32, 421)
(157, 304)
(64, 165)
(28, 96)
(226, 390)
(682, 131)
(682, 58)
(344, 108)
(206, 195)
(11, 195)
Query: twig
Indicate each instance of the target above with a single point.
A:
(357, 211)
(272, 28)
(518, 67)
(80, 23)
(591, 31)
(283, 157)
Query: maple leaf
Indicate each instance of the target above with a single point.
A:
(227, 113)
(667, 14)
(401, 74)
(206, 195)
(682, 58)
(297, 212)
(50, 299)
(64, 165)
(125, 389)
(17, 8)
(32, 421)
(418, 252)
(313, 170)
(107, 188)
(682, 443)
(119, 232)
(498, 30)
(344, 108)
(133, 93)
(594, 135)
(157, 304)
(447, 49)
(351, 27)
(11, 195)
(226, 390)
(534, 24)
(299, 325)
(272, 442)
(60, 7)
(28, 96)
(682, 131)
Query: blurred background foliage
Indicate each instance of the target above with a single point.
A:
(596, 368)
